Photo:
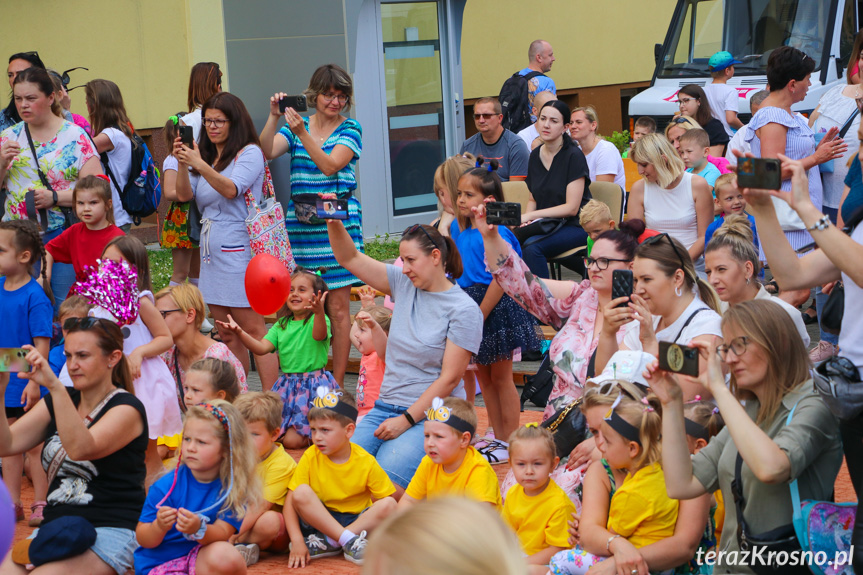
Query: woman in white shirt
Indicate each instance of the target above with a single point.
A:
(603, 157)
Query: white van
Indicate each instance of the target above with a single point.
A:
(750, 30)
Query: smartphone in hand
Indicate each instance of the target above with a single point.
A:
(676, 358)
(759, 173)
(621, 285)
(12, 359)
(503, 213)
(332, 209)
(187, 136)
(298, 103)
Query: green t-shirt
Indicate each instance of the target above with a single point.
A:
(298, 351)
(589, 245)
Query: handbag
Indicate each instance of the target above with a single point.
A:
(537, 388)
(266, 224)
(828, 167)
(837, 381)
(538, 229)
(568, 426)
(41, 216)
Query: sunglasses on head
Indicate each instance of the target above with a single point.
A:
(85, 323)
(64, 77)
(658, 238)
(414, 228)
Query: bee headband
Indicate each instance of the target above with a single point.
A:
(327, 399)
(620, 425)
(443, 414)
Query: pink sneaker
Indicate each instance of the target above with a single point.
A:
(824, 350)
(36, 513)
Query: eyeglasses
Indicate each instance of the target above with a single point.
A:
(484, 116)
(215, 122)
(682, 101)
(658, 238)
(165, 312)
(601, 263)
(736, 345)
(65, 76)
(681, 120)
(329, 97)
(420, 227)
(84, 323)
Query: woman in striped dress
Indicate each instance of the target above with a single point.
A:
(324, 150)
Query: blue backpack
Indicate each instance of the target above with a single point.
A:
(142, 193)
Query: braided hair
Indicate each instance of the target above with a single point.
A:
(27, 237)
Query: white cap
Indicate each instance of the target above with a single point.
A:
(625, 366)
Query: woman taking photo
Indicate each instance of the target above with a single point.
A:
(100, 478)
(227, 163)
(694, 103)
(435, 329)
(770, 370)
(603, 157)
(324, 150)
(668, 198)
(65, 154)
(559, 183)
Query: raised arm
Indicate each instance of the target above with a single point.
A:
(27, 432)
(272, 143)
(192, 158)
(370, 271)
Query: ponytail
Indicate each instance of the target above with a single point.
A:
(122, 376)
(453, 265)
(708, 295)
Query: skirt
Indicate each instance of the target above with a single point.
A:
(297, 391)
(225, 254)
(175, 227)
(508, 327)
(311, 244)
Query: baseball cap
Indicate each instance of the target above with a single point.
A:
(625, 365)
(721, 60)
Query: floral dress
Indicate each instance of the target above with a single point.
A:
(61, 160)
(175, 225)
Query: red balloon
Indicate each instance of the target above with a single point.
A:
(268, 284)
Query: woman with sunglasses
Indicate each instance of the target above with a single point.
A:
(324, 150)
(94, 452)
(669, 301)
(694, 104)
(668, 198)
(225, 164)
(435, 329)
(838, 258)
(769, 369)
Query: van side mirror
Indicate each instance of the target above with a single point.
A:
(657, 52)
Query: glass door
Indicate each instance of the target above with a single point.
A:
(415, 114)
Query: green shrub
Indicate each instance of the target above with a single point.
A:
(620, 139)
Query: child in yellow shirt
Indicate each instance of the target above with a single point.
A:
(264, 528)
(451, 466)
(536, 508)
(338, 492)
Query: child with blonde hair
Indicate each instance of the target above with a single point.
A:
(594, 218)
(369, 335)
(729, 201)
(445, 185)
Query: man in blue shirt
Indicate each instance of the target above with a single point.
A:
(540, 57)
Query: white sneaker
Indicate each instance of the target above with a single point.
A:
(206, 326)
(251, 553)
(824, 350)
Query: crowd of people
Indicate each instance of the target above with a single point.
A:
(147, 451)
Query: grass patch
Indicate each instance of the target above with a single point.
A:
(382, 248)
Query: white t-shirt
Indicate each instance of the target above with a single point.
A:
(605, 159)
(706, 322)
(851, 334)
(529, 134)
(738, 142)
(170, 163)
(193, 119)
(792, 311)
(120, 162)
(723, 98)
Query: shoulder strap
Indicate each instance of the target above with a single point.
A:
(36, 158)
(848, 122)
(29, 197)
(532, 74)
(106, 164)
(688, 321)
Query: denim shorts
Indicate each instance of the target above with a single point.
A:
(399, 457)
(114, 545)
(344, 520)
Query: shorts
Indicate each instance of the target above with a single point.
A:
(15, 412)
(114, 545)
(344, 520)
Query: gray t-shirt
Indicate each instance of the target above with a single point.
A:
(421, 325)
(510, 152)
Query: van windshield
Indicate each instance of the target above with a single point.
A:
(749, 29)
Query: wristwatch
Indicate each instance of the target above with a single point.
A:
(54, 196)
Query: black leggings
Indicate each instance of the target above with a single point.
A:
(852, 442)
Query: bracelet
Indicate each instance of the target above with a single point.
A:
(202, 530)
(54, 196)
(409, 417)
(821, 224)
(608, 543)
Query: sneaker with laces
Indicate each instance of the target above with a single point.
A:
(251, 553)
(356, 548)
(496, 452)
(318, 546)
(824, 350)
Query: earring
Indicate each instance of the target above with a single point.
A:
(677, 291)
(747, 281)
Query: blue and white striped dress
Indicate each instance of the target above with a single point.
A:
(799, 143)
(309, 242)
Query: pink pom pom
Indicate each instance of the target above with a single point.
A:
(112, 286)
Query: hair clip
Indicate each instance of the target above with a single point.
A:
(532, 424)
(695, 399)
(490, 168)
(478, 162)
(218, 414)
(715, 410)
(174, 119)
(647, 403)
(103, 177)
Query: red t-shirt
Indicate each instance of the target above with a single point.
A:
(81, 246)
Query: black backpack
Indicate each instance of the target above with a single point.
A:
(515, 101)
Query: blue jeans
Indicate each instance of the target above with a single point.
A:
(62, 275)
(538, 249)
(399, 457)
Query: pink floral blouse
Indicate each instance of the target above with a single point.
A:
(574, 317)
(217, 351)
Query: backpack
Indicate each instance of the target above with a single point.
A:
(142, 193)
(515, 101)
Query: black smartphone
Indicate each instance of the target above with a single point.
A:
(759, 173)
(298, 103)
(187, 136)
(680, 359)
(621, 285)
(503, 213)
(332, 209)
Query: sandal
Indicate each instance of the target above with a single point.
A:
(36, 513)
(771, 287)
(214, 334)
(496, 452)
(19, 512)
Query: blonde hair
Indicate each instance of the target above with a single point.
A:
(324, 413)
(265, 406)
(223, 376)
(445, 536)
(589, 113)
(704, 414)
(698, 136)
(724, 180)
(187, 296)
(656, 150)
(647, 418)
(447, 174)
(593, 211)
(690, 123)
(735, 233)
(382, 315)
(788, 362)
(246, 490)
(533, 433)
(463, 410)
(72, 304)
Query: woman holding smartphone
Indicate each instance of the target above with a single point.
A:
(324, 150)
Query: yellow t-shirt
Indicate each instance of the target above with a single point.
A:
(171, 441)
(347, 487)
(641, 510)
(276, 471)
(474, 479)
(539, 521)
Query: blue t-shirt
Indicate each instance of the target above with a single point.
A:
(472, 252)
(717, 223)
(57, 358)
(709, 173)
(854, 180)
(510, 151)
(26, 313)
(536, 85)
(189, 494)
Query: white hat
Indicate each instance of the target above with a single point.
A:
(625, 366)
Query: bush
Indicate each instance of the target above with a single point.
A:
(620, 139)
